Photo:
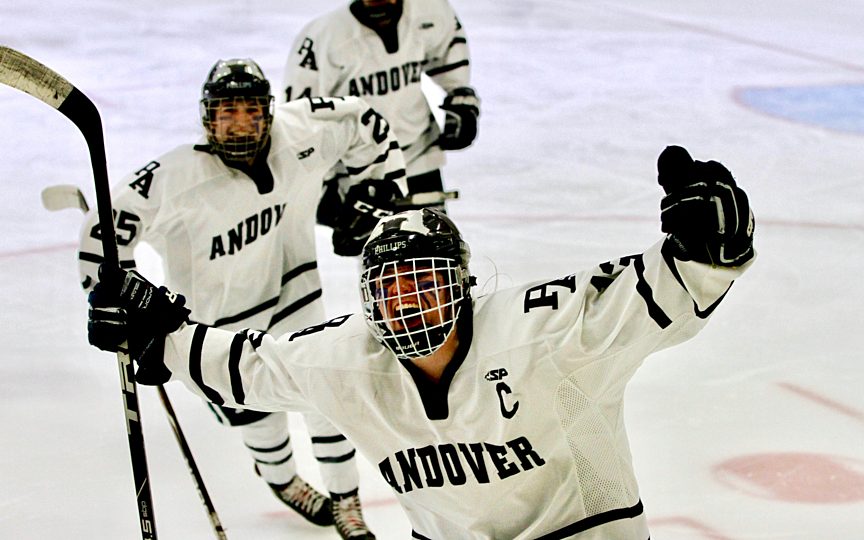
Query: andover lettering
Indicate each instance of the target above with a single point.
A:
(246, 232)
(456, 464)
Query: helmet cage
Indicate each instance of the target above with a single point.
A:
(238, 82)
(237, 147)
(416, 320)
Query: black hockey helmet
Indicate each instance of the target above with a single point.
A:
(233, 80)
(424, 249)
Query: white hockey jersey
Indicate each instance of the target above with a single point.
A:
(336, 55)
(524, 436)
(242, 258)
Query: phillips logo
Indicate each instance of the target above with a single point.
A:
(392, 246)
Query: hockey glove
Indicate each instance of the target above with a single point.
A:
(462, 108)
(364, 205)
(705, 214)
(126, 307)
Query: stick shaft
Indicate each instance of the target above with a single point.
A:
(26, 74)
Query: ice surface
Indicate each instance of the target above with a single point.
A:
(754, 429)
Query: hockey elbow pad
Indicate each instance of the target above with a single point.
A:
(706, 216)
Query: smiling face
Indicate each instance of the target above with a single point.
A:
(412, 298)
(413, 304)
(381, 13)
(238, 127)
(415, 283)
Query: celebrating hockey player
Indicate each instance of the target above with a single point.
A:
(492, 417)
(233, 218)
(378, 50)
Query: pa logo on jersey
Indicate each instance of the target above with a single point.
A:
(495, 374)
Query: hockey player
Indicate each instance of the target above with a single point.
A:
(233, 218)
(494, 417)
(378, 49)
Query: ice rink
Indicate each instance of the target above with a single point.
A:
(752, 430)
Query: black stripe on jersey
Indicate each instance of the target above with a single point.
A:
(255, 338)
(353, 171)
(670, 263)
(234, 368)
(394, 175)
(594, 521)
(644, 289)
(444, 69)
(98, 259)
(248, 313)
(291, 274)
(457, 41)
(195, 365)
(295, 306)
(337, 459)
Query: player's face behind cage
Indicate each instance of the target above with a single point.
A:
(237, 127)
(412, 304)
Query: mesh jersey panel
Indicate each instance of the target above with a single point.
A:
(588, 433)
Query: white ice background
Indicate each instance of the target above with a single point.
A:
(752, 430)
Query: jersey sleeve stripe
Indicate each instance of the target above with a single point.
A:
(644, 290)
(294, 306)
(353, 171)
(90, 257)
(234, 368)
(392, 176)
(669, 259)
(449, 67)
(457, 41)
(195, 365)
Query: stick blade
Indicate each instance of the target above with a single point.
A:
(63, 196)
(26, 74)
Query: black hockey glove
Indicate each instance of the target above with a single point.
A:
(706, 215)
(462, 108)
(126, 307)
(364, 205)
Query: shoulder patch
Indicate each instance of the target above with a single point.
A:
(144, 179)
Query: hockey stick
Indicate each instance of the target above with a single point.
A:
(64, 196)
(23, 73)
(61, 197)
(190, 462)
(427, 198)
